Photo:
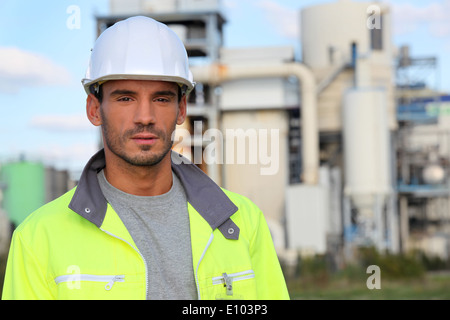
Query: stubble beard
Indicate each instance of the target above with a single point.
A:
(146, 157)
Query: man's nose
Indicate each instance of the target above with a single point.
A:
(144, 113)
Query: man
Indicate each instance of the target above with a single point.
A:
(141, 224)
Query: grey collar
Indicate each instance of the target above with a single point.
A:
(202, 193)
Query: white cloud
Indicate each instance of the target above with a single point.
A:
(284, 19)
(19, 68)
(54, 122)
(408, 18)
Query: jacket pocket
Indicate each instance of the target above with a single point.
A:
(236, 286)
(73, 281)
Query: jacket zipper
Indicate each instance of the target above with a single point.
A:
(228, 279)
(91, 277)
(211, 237)
(143, 259)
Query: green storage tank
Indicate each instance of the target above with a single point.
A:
(25, 189)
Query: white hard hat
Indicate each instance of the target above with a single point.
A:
(138, 48)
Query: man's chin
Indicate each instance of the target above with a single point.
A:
(146, 158)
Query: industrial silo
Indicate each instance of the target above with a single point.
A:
(25, 189)
(367, 170)
(366, 146)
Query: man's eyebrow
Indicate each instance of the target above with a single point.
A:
(122, 92)
(165, 93)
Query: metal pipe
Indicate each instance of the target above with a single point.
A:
(217, 73)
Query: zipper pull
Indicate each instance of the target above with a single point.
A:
(110, 284)
(228, 284)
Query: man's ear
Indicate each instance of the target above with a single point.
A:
(182, 105)
(93, 110)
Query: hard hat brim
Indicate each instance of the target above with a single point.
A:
(88, 82)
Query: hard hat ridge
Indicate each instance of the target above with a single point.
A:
(138, 48)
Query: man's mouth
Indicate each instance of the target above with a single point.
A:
(144, 138)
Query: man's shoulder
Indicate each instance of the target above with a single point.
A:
(49, 213)
(249, 218)
(241, 201)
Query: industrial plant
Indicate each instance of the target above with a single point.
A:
(344, 148)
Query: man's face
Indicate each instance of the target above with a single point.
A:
(138, 118)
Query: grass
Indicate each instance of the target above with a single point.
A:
(431, 286)
(401, 277)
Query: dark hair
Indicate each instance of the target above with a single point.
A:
(97, 91)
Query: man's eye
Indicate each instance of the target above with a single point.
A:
(162, 100)
(124, 99)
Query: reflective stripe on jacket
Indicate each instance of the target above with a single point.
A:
(76, 247)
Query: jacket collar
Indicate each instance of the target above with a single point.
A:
(202, 193)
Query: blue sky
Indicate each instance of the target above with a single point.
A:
(42, 60)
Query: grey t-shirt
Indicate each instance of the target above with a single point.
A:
(159, 225)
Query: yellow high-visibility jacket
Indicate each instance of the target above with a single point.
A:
(76, 247)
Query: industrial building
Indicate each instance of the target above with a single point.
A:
(338, 150)
(26, 185)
